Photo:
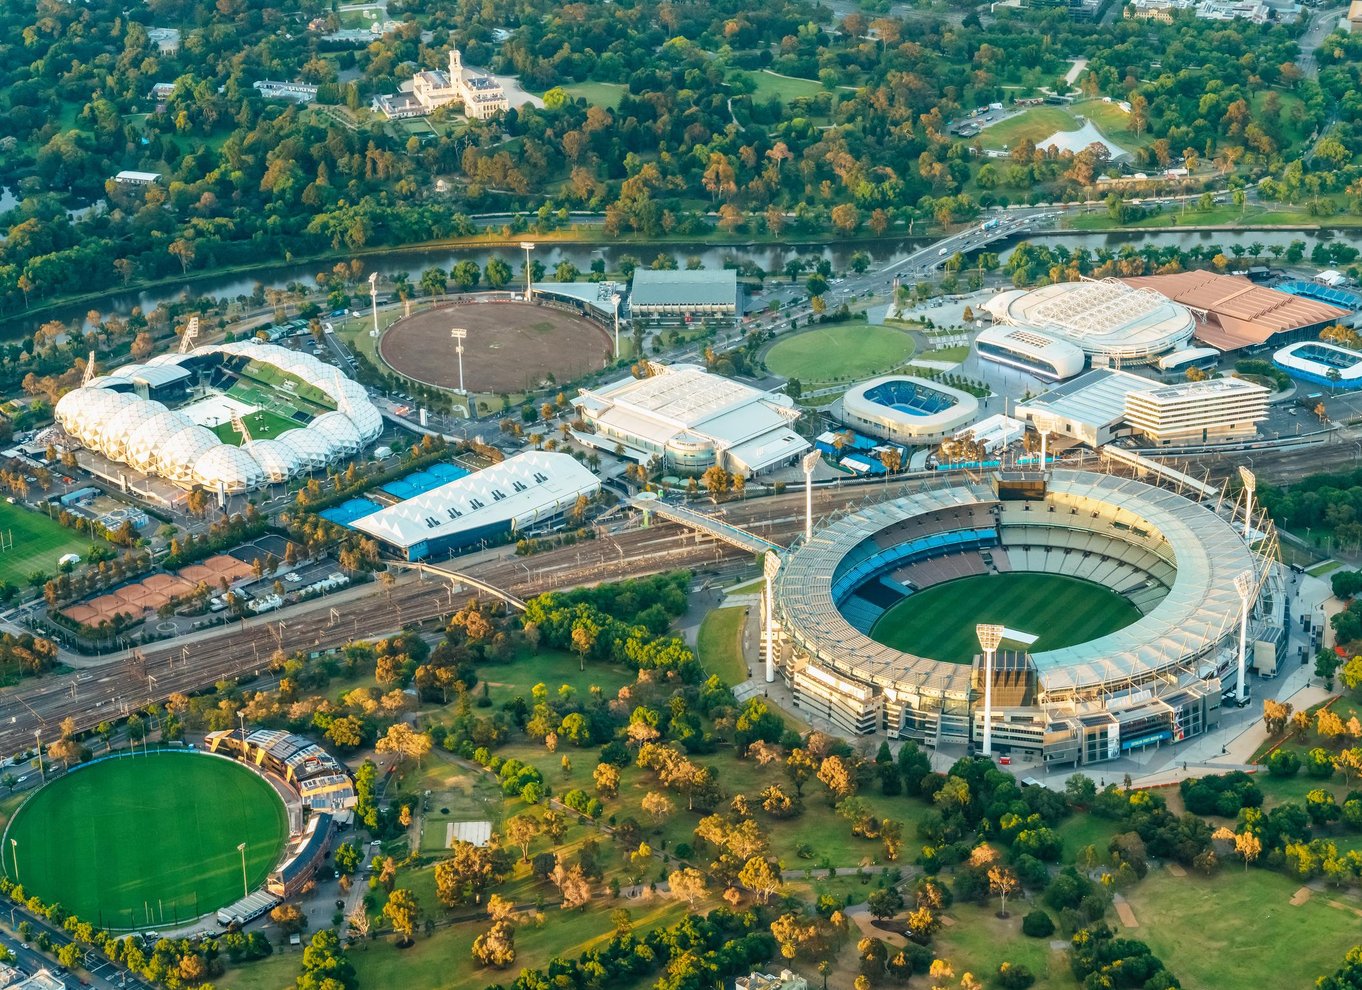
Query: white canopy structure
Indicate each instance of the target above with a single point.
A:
(109, 416)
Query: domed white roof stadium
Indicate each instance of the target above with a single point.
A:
(230, 469)
(129, 427)
(279, 461)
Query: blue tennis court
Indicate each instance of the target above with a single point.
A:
(347, 512)
(420, 482)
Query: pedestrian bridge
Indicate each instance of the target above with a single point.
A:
(650, 505)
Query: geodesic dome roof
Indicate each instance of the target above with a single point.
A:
(312, 449)
(83, 411)
(178, 454)
(229, 468)
(338, 431)
(144, 450)
(278, 461)
(115, 433)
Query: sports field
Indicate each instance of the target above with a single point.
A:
(261, 424)
(144, 842)
(39, 543)
(839, 352)
(939, 621)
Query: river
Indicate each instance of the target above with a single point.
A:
(771, 257)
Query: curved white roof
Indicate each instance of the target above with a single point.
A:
(873, 406)
(151, 438)
(178, 455)
(1106, 318)
(278, 461)
(1030, 346)
(229, 468)
(1314, 359)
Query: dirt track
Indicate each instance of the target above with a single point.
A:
(510, 346)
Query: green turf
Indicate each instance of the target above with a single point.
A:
(597, 93)
(262, 426)
(839, 352)
(784, 88)
(39, 543)
(939, 621)
(143, 841)
(719, 645)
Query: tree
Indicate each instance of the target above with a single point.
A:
(289, 918)
(469, 873)
(837, 775)
(1002, 881)
(687, 884)
(792, 932)
(573, 885)
(885, 902)
(657, 806)
(606, 777)
(1276, 714)
(760, 877)
(520, 830)
(404, 913)
(404, 742)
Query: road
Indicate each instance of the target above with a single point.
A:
(99, 971)
(1322, 23)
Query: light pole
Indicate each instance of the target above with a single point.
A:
(811, 460)
(42, 771)
(771, 566)
(1243, 583)
(459, 337)
(245, 886)
(14, 854)
(373, 298)
(1250, 486)
(241, 714)
(615, 302)
(989, 637)
(527, 247)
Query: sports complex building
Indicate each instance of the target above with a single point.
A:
(684, 295)
(691, 420)
(1108, 321)
(906, 410)
(1321, 363)
(1129, 652)
(225, 417)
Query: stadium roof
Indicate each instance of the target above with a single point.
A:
(1200, 609)
(1105, 317)
(1233, 312)
(684, 288)
(1097, 398)
(521, 490)
(1066, 356)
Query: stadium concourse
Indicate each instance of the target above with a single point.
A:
(181, 416)
(1152, 678)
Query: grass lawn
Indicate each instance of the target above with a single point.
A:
(39, 542)
(979, 942)
(1083, 829)
(1326, 567)
(839, 352)
(601, 94)
(783, 88)
(457, 794)
(1225, 933)
(111, 839)
(553, 669)
(1036, 123)
(719, 644)
(956, 354)
(262, 426)
(270, 973)
(939, 622)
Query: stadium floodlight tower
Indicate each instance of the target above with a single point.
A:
(1250, 481)
(527, 247)
(373, 298)
(989, 638)
(770, 568)
(615, 303)
(459, 337)
(811, 460)
(245, 884)
(1243, 583)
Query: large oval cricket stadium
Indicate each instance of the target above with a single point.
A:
(1116, 605)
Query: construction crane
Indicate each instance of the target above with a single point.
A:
(191, 333)
(89, 375)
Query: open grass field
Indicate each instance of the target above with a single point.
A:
(261, 424)
(1040, 123)
(939, 621)
(146, 841)
(600, 94)
(39, 543)
(719, 644)
(1232, 946)
(783, 88)
(839, 352)
(510, 346)
(979, 942)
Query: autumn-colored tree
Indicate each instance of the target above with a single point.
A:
(687, 884)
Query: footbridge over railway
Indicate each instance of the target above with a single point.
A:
(449, 573)
(650, 505)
